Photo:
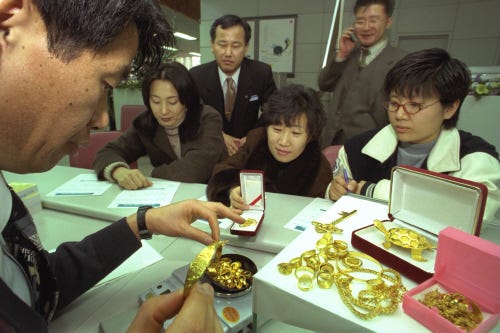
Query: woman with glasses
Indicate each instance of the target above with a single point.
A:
(424, 92)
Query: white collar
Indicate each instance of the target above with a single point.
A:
(444, 156)
(376, 49)
(223, 76)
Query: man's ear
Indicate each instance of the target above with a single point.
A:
(15, 17)
(8, 11)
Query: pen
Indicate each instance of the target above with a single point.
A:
(346, 178)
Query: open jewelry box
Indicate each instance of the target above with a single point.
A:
(424, 202)
(252, 191)
(465, 264)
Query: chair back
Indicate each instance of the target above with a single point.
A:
(331, 153)
(128, 114)
(84, 157)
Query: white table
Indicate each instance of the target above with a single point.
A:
(272, 237)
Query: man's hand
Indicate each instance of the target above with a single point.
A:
(196, 313)
(175, 220)
(346, 44)
(130, 179)
(232, 144)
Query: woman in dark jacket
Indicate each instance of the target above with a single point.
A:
(286, 149)
(182, 137)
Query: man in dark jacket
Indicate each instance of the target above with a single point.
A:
(58, 61)
(233, 84)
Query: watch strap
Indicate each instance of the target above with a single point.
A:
(141, 222)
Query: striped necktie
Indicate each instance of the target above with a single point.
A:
(230, 97)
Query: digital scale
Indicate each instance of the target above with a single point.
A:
(233, 310)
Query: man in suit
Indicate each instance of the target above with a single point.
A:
(81, 50)
(251, 82)
(356, 74)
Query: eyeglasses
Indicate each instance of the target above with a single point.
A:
(409, 108)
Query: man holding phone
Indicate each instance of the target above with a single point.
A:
(356, 73)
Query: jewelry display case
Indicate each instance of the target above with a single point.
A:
(466, 278)
(252, 191)
(422, 203)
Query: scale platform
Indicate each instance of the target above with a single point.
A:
(234, 312)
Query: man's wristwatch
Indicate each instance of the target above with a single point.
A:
(141, 222)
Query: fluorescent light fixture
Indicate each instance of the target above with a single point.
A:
(195, 54)
(170, 48)
(184, 36)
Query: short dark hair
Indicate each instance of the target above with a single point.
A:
(188, 93)
(430, 72)
(75, 25)
(288, 103)
(388, 5)
(228, 21)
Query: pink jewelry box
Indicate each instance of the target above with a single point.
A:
(465, 264)
(252, 191)
(426, 202)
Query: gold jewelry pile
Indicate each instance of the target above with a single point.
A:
(455, 307)
(365, 287)
(229, 273)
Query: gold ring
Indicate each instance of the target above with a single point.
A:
(325, 280)
(331, 252)
(326, 268)
(304, 270)
(324, 241)
(352, 262)
(305, 282)
(295, 262)
(285, 268)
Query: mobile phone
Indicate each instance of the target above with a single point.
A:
(354, 38)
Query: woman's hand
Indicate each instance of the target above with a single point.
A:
(339, 187)
(130, 179)
(236, 200)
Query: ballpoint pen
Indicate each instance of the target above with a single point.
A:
(346, 179)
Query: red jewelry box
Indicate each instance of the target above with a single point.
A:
(426, 202)
(252, 191)
(465, 264)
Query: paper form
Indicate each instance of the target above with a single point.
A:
(81, 185)
(159, 194)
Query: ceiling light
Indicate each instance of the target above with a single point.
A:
(170, 48)
(184, 36)
(195, 54)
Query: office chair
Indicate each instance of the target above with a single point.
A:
(331, 153)
(84, 157)
(128, 114)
